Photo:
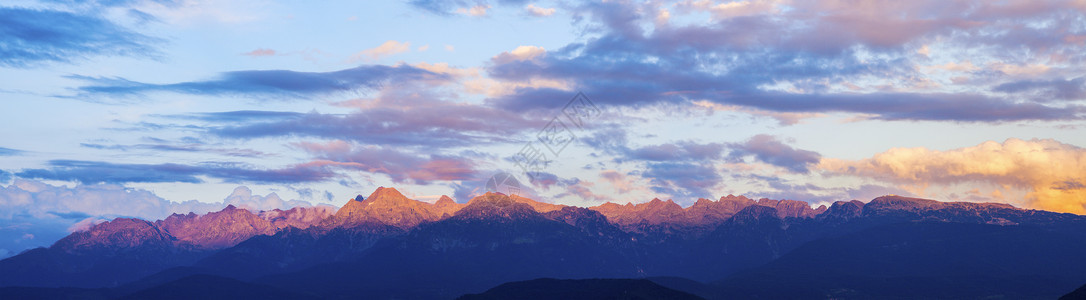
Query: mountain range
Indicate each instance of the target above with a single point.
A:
(388, 246)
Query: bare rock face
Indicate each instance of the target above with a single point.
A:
(217, 229)
(965, 212)
(497, 206)
(706, 211)
(704, 214)
(298, 217)
(447, 207)
(843, 210)
(121, 233)
(233, 225)
(388, 206)
(653, 212)
(791, 208)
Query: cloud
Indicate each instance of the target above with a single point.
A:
(91, 172)
(682, 179)
(239, 116)
(188, 147)
(1050, 171)
(768, 149)
(521, 53)
(1047, 90)
(464, 7)
(474, 11)
(621, 182)
(582, 190)
(264, 83)
(260, 52)
(681, 151)
(47, 212)
(396, 117)
(398, 164)
(243, 197)
(538, 11)
(814, 57)
(35, 36)
(10, 152)
(543, 180)
(388, 48)
(613, 141)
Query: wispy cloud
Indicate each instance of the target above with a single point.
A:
(260, 52)
(263, 84)
(92, 172)
(407, 119)
(10, 152)
(768, 149)
(539, 11)
(388, 48)
(35, 36)
(400, 165)
(686, 180)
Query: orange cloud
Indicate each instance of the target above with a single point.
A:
(1051, 172)
(388, 48)
(260, 52)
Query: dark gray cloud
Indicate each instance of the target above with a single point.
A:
(768, 149)
(29, 37)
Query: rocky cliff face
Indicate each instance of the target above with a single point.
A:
(121, 233)
(965, 212)
(704, 214)
(792, 208)
(232, 225)
(497, 206)
(389, 206)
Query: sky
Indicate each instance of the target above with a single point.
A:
(142, 108)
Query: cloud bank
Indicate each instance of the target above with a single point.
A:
(1051, 171)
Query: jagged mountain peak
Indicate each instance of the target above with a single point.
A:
(119, 233)
(444, 200)
(496, 205)
(843, 210)
(754, 214)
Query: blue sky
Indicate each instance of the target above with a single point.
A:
(143, 108)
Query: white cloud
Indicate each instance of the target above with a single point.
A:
(36, 214)
(243, 197)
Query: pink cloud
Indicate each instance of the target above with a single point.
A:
(260, 52)
(401, 166)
